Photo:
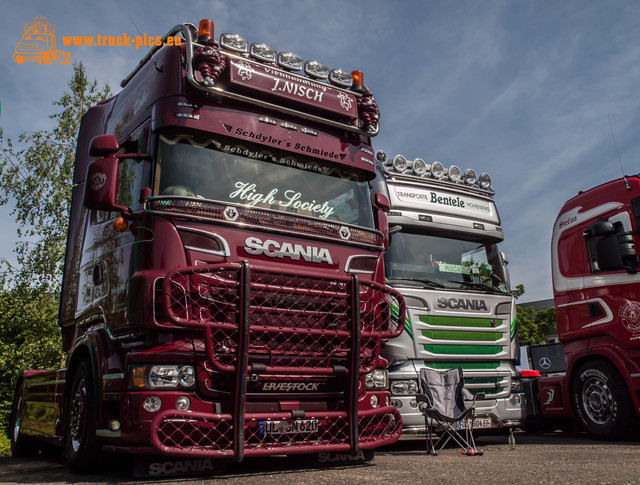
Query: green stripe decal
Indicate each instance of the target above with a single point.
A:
(461, 321)
(465, 365)
(407, 323)
(462, 335)
(464, 349)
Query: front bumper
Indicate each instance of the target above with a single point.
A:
(505, 412)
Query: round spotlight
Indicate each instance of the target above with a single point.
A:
(470, 176)
(187, 376)
(375, 402)
(437, 170)
(183, 403)
(152, 404)
(454, 173)
(381, 156)
(419, 167)
(400, 163)
(484, 181)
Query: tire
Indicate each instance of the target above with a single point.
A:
(21, 446)
(601, 402)
(80, 445)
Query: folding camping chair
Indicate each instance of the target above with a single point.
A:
(443, 404)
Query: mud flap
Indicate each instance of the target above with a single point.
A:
(163, 466)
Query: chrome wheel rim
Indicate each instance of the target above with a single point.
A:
(597, 400)
(77, 414)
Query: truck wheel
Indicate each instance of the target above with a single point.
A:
(21, 445)
(80, 444)
(601, 402)
(47, 58)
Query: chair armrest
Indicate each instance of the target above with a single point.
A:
(469, 396)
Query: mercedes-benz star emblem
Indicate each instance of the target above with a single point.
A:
(545, 363)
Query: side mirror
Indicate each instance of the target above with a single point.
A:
(609, 254)
(103, 145)
(599, 228)
(505, 264)
(101, 185)
(613, 250)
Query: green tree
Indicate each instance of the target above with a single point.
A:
(36, 176)
(38, 179)
(533, 327)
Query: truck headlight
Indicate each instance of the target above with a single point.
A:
(376, 380)
(160, 376)
(516, 385)
(404, 388)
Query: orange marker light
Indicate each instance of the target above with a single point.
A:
(137, 377)
(358, 78)
(205, 29)
(120, 224)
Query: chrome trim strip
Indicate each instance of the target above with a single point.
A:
(226, 252)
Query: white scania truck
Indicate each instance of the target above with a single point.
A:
(445, 260)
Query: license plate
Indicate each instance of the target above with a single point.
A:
(478, 423)
(289, 426)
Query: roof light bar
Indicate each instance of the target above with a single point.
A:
(263, 52)
(290, 61)
(437, 171)
(234, 42)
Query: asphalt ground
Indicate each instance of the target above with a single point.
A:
(553, 458)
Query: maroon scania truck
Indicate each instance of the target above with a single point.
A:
(223, 293)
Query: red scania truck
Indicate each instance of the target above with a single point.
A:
(596, 292)
(223, 293)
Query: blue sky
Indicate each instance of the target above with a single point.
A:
(528, 91)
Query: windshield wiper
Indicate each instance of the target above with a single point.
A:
(433, 284)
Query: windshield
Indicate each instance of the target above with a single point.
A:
(217, 168)
(439, 262)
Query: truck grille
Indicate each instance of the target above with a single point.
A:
(296, 324)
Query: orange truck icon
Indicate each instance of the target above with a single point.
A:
(38, 43)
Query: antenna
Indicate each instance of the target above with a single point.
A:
(618, 152)
(134, 24)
